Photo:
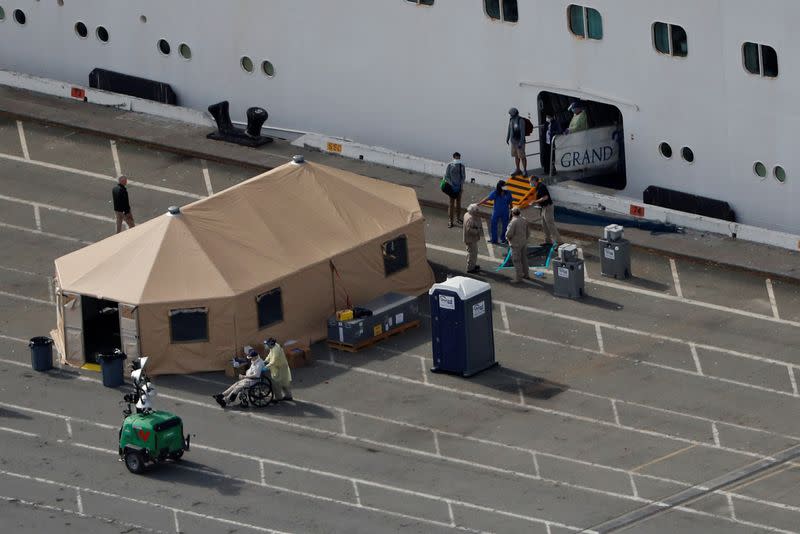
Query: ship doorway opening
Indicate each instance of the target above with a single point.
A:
(100, 327)
(593, 152)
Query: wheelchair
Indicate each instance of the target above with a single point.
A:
(259, 394)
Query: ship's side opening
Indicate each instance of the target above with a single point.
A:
(581, 140)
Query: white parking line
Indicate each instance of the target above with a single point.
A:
(504, 316)
(534, 454)
(46, 234)
(792, 380)
(772, 302)
(14, 270)
(356, 493)
(263, 474)
(616, 412)
(715, 433)
(37, 217)
(115, 156)
(696, 358)
(23, 143)
(177, 524)
(600, 346)
(68, 421)
(40, 205)
(207, 177)
(20, 432)
(99, 176)
(79, 501)
(731, 509)
(675, 279)
(488, 238)
(138, 501)
(436, 443)
(29, 299)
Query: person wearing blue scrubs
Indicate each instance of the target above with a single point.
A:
(500, 211)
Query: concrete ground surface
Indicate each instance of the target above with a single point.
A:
(190, 140)
(601, 407)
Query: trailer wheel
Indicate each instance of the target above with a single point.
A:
(134, 461)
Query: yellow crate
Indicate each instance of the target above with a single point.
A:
(344, 315)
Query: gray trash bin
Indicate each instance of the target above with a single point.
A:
(113, 368)
(41, 353)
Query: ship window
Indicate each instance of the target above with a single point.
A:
(163, 47)
(81, 30)
(185, 51)
(670, 39)
(143, 19)
(60, 2)
(102, 34)
(779, 173)
(188, 325)
(760, 59)
(395, 255)
(687, 154)
(665, 150)
(585, 22)
(760, 169)
(247, 64)
(2, 14)
(268, 68)
(421, 2)
(19, 16)
(505, 10)
(270, 308)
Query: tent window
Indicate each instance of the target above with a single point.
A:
(270, 308)
(188, 324)
(395, 255)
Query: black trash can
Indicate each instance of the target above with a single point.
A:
(41, 353)
(113, 368)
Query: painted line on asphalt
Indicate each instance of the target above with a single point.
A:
(22, 141)
(696, 358)
(534, 453)
(793, 381)
(50, 508)
(46, 234)
(676, 281)
(207, 177)
(772, 302)
(623, 401)
(654, 294)
(488, 238)
(715, 433)
(14, 270)
(115, 156)
(731, 509)
(504, 316)
(37, 218)
(99, 176)
(41, 205)
(20, 432)
(68, 421)
(91, 491)
(600, 346)
(662, 337)
(616, 412)
(358, 494)
(177, 524)
(29, 299)
(79, 501)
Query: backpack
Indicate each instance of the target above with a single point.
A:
(528, 126)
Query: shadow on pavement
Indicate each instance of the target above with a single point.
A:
(195, 474)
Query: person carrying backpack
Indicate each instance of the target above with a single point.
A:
(518, 128)
(453, 186)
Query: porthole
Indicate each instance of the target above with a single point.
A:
(60, 2)
(142, 19)
(2, 14)
(163, 47)
(102, 34)
(665, 150)
(268, 68)
(779, 173)
(81, 30)
(19, 17)
(247, 64)
(687, 154)
(760, 169)
(185, 51)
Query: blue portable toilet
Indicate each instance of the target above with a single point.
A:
(461, 326)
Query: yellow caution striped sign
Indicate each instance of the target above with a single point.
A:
(520, 189)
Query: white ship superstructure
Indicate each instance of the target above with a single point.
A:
(704, 88)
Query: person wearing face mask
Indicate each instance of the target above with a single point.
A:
(454, 177)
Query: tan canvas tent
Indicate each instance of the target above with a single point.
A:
(272, 256)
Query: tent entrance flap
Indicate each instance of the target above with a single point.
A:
(101, 332)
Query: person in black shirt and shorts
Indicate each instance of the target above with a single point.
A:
(548, 211)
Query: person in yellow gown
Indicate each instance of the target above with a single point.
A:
(279, 370)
